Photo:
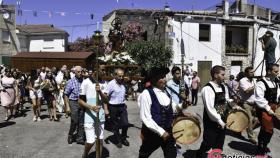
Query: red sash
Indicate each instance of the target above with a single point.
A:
(267, 120)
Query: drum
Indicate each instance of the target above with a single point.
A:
(237, 120)
(186, 129)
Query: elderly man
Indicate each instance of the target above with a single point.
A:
(115, 92)
(71, 97)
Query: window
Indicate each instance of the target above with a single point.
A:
(204, 32)
(6, 36)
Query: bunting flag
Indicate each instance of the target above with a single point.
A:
(18, 2)
(35, 13)
(50, 14)
(62, 13)
(19, 12)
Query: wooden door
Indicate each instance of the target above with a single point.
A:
(203, 71)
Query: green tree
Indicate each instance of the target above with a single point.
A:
(149, 53)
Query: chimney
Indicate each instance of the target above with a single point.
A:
(241, 5)
(226, 8)
(268, 14)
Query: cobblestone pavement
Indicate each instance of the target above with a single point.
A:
(23, 138)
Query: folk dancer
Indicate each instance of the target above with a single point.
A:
(215, 97)
(156, 113)
(267, 94)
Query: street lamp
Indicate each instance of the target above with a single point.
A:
(97, 40)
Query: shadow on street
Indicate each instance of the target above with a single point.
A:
(5, 124)
(245, 147)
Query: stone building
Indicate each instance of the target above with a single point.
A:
(224, 35)
(9, 43)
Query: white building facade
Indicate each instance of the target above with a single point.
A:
(42, 38)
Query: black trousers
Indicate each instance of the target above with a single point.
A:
(77, 120)
(194, 96)
(119, 120)
(213, 137)
(152, 141)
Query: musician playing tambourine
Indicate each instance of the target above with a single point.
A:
(267, 94)
(247, 96)
(215, 98)
(156, 113)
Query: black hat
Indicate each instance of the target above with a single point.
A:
(269, 32)
(158, 71)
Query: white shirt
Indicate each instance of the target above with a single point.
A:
(59, 77)
(88, 89)
(72, 74)
(145, 102)
(188, 80)
(116, 92)
(245, 84)
(43, 75)
(260, 91)
(208, 98)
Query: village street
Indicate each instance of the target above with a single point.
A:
(23, 138)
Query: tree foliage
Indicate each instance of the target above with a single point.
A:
(85, 45)
(149, 53)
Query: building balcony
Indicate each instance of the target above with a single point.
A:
(236, 50)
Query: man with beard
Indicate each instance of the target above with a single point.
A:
(247, 89)
(267, 94)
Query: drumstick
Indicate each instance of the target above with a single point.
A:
(179, 136)
(230, 124)
(178, 131)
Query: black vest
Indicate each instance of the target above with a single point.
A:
(270, 94)
(162, 115)
(219, 105)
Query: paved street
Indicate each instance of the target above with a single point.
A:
(23, 138)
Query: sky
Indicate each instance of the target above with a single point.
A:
(74, 16)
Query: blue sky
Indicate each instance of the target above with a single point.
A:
(74, 16)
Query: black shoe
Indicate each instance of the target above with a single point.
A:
(119, 145)
(260, 151)
(70, 139)
(125, 142)
(81, 142)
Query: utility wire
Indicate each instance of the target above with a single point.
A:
(215, 51)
